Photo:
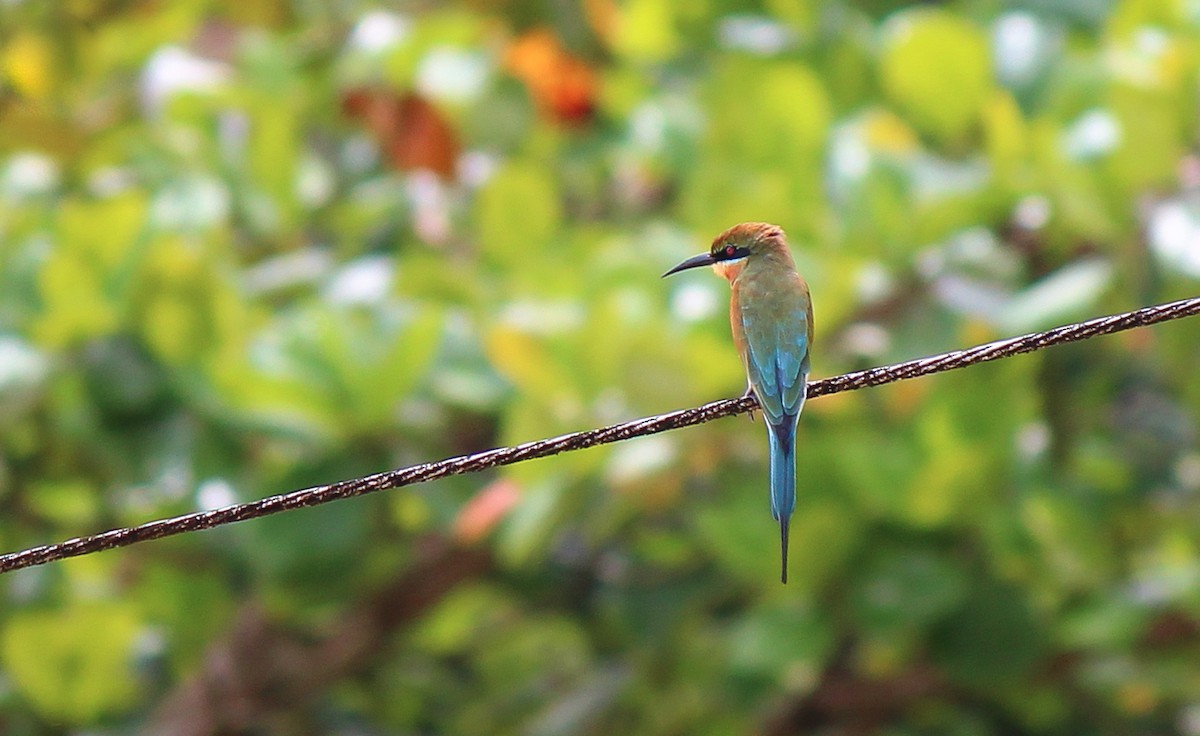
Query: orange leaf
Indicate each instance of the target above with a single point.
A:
(562, 85)
(485, 510)
(412, 133)
(602, 17)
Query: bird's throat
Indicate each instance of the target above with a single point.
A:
(730, 270)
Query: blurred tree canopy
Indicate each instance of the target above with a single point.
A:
(251, 246)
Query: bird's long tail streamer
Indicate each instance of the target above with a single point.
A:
(783, 483)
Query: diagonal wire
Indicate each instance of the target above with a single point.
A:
(316, 495)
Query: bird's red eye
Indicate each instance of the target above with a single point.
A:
(729, 251)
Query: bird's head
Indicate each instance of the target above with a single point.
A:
(739, 245)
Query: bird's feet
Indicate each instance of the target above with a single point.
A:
(750, 393)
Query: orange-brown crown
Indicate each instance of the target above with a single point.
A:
(756, 237)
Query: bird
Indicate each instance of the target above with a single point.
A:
(770, 313)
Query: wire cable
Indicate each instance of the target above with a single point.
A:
(316, 495)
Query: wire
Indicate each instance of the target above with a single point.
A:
(317, 495)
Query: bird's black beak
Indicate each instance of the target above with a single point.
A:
(704, 259)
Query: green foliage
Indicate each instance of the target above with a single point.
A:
(252, 247)
(73, 664)
(935, 68)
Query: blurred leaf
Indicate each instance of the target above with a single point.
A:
(1069, 540)
(83, 284)
(992, 641)
(485, 510)
(123, 380)
(825, 535)
(456, 624)
(766, 165)
(75, 303)
(1130, 16)
(1104, 623)
(529, 529)
(583, 707)
(562, 85)
(737, 529)
(23, 374)
(273, 161)
(1067, 294)
(74, 664)
(645, 30)
(71, 504)
(190, 607)
(335, 370)
(310, 550)
(1151, 139)
(30, 65)
(873, 469)
(522, 359)
(791, 114)
(783, 637)
(1006, 138)
(517, 214)
(408, 128)
(948, 483)
(935, 66)
(898, 588)
(186, 309)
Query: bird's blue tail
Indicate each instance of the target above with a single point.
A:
(783, 481)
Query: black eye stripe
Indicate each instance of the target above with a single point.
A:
(729, 252)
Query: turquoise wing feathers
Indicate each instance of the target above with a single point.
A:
(777, 361)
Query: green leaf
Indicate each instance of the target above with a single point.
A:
(1071, 292)
(993, 640)
(461, 618)
(189, 606)
(785, 639)
(762, 155)
(332, 371)
(71, 503)
(123, 380)
(1071, 540)
(936, 67)
(23, 373)
(900, 586)
(737, 528)
(518, 213)
(311, 550)
(646, 30)
(74, 664)
(530, 527)
(83, 283)
(824, 535)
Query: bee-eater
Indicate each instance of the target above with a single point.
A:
(772, 319)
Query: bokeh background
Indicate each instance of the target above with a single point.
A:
(248, 246)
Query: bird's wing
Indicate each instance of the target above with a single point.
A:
(777, 355)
